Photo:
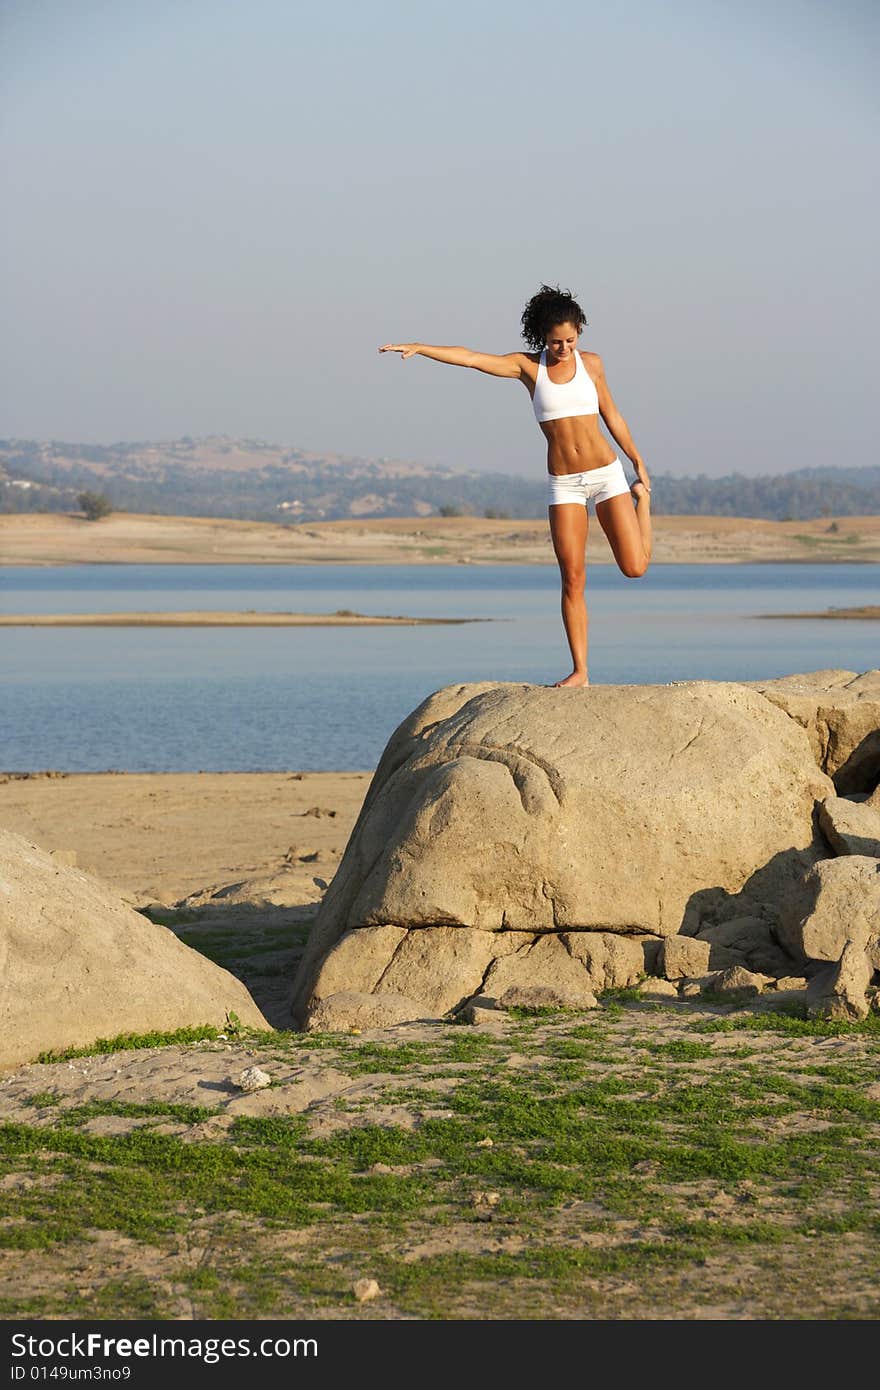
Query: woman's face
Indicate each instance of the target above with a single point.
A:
(562, 341)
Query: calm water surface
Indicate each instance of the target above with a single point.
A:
(162, 699)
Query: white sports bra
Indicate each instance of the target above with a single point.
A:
(576, 397)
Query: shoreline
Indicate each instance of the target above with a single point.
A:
(42, 539)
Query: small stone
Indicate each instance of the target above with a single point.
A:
(365, 1289)
(354, 1032)
(485, 1143)
(485, 1199)
(791, 982)
(254, 1079)
(690, 990)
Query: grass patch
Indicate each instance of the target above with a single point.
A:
(794, 1025)
(126, 1042)
(158, 1110)
(624, 1158)
(681, 1050)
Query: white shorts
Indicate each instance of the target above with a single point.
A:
(594, 485)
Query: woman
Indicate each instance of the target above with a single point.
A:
(581, 464)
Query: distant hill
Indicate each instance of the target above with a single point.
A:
(251, 479)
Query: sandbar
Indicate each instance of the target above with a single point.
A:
(210, 618)
(868, 611)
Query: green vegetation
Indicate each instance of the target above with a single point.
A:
(632, 1157)
(127, 1042)
(95, 505)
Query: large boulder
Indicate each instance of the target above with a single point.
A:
(498, 810)
(840, 712)
(78, 964)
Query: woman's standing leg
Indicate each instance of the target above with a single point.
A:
(568, 529)
(628, 529)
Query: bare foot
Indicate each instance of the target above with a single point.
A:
(577, 678)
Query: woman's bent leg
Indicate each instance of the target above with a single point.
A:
(628, 529)
(568, 529)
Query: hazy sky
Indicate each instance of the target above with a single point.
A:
(215, 212)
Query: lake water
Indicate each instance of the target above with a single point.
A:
(246, 699)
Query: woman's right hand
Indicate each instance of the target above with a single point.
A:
(405, 349)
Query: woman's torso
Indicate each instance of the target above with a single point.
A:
(575, 443)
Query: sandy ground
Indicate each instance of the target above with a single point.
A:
(158, 837)
(124, 537)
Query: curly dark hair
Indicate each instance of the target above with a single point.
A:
(549, 307)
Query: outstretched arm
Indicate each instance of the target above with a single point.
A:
(510, 364)
(617, 426)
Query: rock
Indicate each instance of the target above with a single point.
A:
(841, 991)
(481, 1011)
(650, 946)
(296, 854)
(791, 982)
(366, 1289)
(684, 955)
(358, 961)
(840, 711)
(286, 888)
(545, 997)
(690, 989)
(850, 827)
(348, 1009)
(515, 808)
(658, 989)
(254, 1079)
(845, 897)
(737, 980)
(443, 966)
(612, 962)
(745, 941)
(543, 965)
(440, 970)
(485, 1143)
(79, 965)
